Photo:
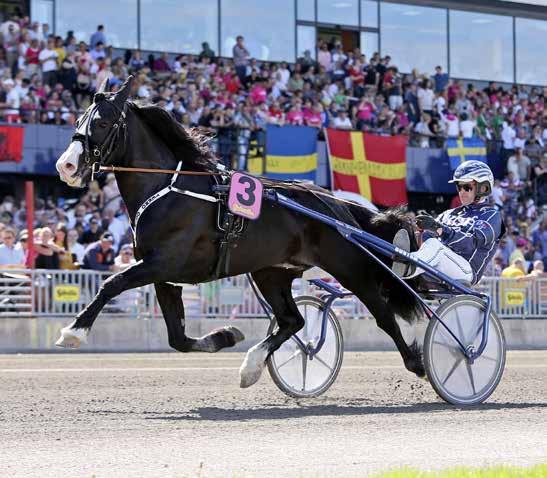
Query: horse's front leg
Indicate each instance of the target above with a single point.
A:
(170, 300)
(139, 274)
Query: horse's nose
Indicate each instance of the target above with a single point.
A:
(67, 164)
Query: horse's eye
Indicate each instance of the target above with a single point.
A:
(103, 124)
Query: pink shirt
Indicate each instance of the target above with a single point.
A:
(258, 94)
(295, 117)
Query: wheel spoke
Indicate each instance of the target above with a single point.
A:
(452, 370)
(486, 357)
(292, 357)
(322, 362)
(452, 348)
(460, 328)
(471, 378)
(304, 370)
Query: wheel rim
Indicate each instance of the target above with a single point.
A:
(292, 365)
(461, 381)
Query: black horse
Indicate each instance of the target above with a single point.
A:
(177, 239)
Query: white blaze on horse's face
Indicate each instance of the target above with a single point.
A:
(67, 164)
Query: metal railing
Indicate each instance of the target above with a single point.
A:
(63, 293)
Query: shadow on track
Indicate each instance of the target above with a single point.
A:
(282, 413)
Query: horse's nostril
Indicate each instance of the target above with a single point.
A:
(70, 167)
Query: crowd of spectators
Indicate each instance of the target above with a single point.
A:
(49, 79)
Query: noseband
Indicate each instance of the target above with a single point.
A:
(101, 152)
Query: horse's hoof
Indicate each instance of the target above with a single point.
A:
(72, 338)
(236, 333)
(251, 368)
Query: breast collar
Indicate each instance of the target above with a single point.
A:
(167, 189)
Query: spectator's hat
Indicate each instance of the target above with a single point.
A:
(107, 236)
(24, 235)
(110, 177)
(127, 247)
(521, 242)
(93, 220)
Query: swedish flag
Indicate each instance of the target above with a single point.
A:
(291, 153)
(465, 149)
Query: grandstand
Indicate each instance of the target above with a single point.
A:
(440, 73)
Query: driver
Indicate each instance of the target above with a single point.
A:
(461, 241)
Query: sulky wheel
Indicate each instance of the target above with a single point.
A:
(452, 376)
(291, 368)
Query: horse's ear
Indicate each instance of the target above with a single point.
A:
(105, 86)
(123, 93)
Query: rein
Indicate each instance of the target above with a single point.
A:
(122, 169)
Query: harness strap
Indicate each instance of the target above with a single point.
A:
(167, 189)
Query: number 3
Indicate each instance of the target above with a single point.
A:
(249, 198)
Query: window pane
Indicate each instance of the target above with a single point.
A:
(306, 10)
(369, 44)
(531, 39)
(414, 37)
(42, 11)
(305, 40)
(369, 13)
(339, 12)
(179, 25)
(268, 27)
(118, 17)
(493, 34)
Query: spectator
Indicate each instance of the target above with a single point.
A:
(67, 260)
(519, 165)
(11, 255)
(537, 272)
(98, 52)
(125, 258)
(467, 126)
(206, 51)
(93, 233)
(47, 256)
(98, 37)
(48, 59)
(425, 97)
(241, 58)
(440, 79)
(342, 121)
(99, 255)
(74, 247)
(515, 270)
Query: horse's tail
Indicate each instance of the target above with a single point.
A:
(385, 225)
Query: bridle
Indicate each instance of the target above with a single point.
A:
(101, 153)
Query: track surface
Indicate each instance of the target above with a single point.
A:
(174, 415)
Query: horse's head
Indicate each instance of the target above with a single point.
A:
(100, 133)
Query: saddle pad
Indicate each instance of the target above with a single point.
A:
(245, 198)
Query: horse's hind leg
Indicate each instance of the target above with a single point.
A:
(170, 300)
(275, 286)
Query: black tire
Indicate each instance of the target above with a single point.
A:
(330, 362)
(453, 378)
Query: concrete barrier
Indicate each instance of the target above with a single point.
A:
(131, 335)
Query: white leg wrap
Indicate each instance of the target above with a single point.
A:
(72, 338)
(252, 366)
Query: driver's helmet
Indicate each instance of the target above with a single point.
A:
(475, 171)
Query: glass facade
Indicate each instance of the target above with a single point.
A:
(179, 25)
(531, 39)
(338, 12)
(305, 10)
(268, 27)
(305, 40)
(369, 13)
(369, 43)
(118, 17)
(491, 35)
(414, 37)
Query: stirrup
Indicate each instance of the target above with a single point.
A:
(400, 267)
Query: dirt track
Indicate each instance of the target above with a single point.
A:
(172, 415)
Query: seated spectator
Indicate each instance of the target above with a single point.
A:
(537, 272)
(99, 255)
(342, 121)
(67, 260)
(125, 258)
(74, 247)
(11, 255)
(93, 233)
(515, 270)
(47, 256)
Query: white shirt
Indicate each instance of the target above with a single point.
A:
(452, 127)
(79, 251)
(13, 99)
(519, 143)
(11, 256)
(285, 75)
(340, 123)
(508, 136)
(425, 99)
(467, 127)
(51, 64)
(497, 195)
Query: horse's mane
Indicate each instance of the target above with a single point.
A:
(188, 145)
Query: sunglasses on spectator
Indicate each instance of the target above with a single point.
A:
(466, 187)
